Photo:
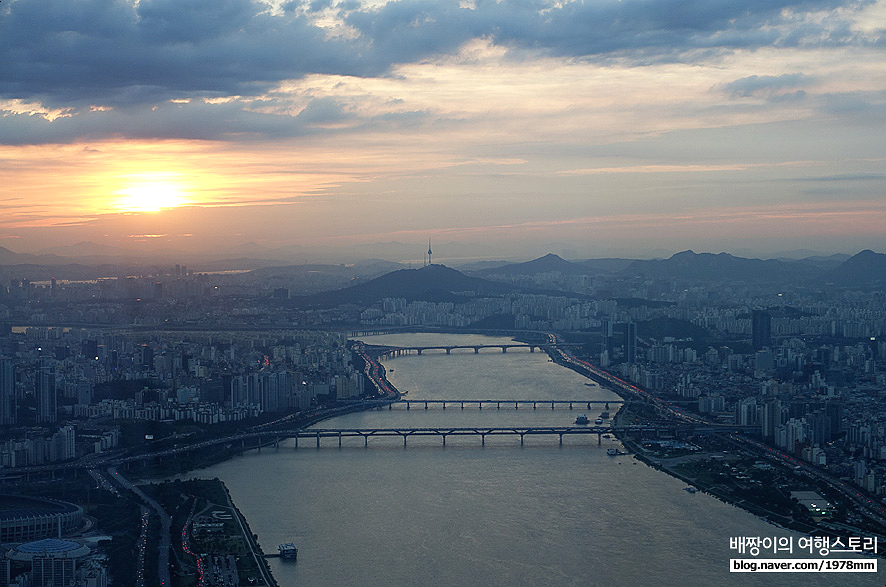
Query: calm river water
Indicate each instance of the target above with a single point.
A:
(498, 514)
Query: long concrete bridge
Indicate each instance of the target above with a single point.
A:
(274, 437)
(522, 431)
(498, 403)
(397, 351)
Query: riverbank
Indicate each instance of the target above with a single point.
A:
(215, 538)
(737, 464)
(252, 540)
(726, 469)
(467, 514)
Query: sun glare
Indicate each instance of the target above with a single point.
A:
(147, 195)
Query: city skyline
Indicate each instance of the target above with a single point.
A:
(615, 128)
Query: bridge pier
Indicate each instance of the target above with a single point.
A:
(497, 405)
(339, 440)
(404, 441)
(296, 441)
(599, 438)
(462, 405)
(365, 441)
(482, 440)
(318, 440)
(476, 350)
(448, 350)
(426, 405)
(444, 440)
(532, 349)
(504, 350)
(561, 440)
(521, 440)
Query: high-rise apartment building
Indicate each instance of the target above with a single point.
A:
(630, 343)
(45, 393)
(7, 392)
(761, 329)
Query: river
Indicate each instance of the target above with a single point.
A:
(500, 514)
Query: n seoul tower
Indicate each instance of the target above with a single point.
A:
(429, 251)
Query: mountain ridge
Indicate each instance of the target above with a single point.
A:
(430, 283)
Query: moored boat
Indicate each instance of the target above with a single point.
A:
(288, 551)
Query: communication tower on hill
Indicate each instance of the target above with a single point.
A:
(429, 251)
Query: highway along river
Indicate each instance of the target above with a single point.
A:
(499, 514)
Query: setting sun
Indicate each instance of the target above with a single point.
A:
(150, 195)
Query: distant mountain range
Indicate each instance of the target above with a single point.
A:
(551, 263)
(548, 264)
(692, 266)
(88, 260)
(436, 283)
(440, 283)
(8, 257)
(864, 269)
(723, 267)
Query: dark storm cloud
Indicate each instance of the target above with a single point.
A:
(107, 51)
(642, 30)
(197, 120)
(69, 52)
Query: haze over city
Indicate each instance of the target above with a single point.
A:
(631, 128)
(442, 292)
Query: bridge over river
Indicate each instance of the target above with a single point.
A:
(498, 403)
(522, 431)
(397, 351)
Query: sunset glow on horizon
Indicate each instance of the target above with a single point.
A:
(150, 193)
(516, 127)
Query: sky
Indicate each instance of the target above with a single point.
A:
(595, 128)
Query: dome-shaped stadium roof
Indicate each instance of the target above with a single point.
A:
(48, 546)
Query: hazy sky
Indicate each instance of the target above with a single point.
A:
(605, 126)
